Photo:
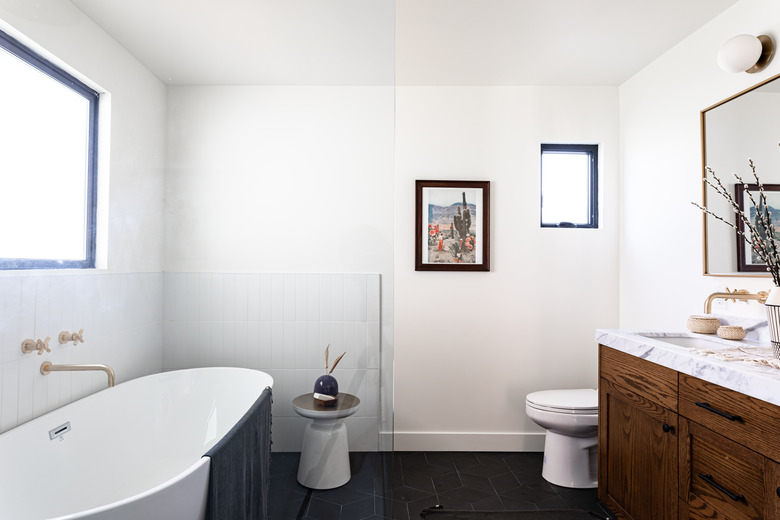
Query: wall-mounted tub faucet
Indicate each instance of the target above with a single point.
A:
(47, 368)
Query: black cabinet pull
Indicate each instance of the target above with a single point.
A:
(708, 479)
(730, 417)
(666, 428)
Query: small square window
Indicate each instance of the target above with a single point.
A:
(569, 186)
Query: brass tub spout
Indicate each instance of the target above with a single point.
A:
(47, 368)
(737, 294)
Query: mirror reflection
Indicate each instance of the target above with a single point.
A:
(745, 126)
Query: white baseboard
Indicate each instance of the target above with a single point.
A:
(467, 441)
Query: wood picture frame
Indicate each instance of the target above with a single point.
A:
(452, 225)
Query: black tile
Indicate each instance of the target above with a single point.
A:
(386, 486)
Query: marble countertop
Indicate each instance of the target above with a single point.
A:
(760, 382)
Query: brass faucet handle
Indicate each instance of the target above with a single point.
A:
(28, 346)
(75, 337)
(43, 345)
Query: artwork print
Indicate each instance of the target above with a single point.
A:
(747, 259)
(452, 230)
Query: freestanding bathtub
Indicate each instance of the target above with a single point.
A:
(131, 452)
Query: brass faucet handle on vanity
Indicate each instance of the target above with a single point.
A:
(75, 337)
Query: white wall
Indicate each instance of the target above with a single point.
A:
(119, 308)
(271, 180)
(661, 280)
(470, 346)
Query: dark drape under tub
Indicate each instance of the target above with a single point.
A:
(239, 477)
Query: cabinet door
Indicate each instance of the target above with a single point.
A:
(721, 479)
(637, 455)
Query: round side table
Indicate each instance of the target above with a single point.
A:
(324, 460)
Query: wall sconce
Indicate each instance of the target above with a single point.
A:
(747, 53)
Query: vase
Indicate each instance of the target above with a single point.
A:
(326, 385)
(773, 319)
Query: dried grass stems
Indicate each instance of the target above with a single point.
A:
(759, 234)
(334, 363)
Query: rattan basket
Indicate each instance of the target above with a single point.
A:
(731, 332)
(703, 323)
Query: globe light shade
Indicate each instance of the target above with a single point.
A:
(746, 53)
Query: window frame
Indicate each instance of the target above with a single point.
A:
(45, 66)
(592, 151)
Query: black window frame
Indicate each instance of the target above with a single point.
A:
(55, 72)
(592, 151)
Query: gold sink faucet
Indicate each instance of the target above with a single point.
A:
(736, 294)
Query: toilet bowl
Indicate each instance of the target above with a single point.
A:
(571, 419)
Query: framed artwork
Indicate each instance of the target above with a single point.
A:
(747, 259)
(452, 226)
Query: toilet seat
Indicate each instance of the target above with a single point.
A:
(583, 401)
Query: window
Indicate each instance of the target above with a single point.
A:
(570, 185)
(48, 163)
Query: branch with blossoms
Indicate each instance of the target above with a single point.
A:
(765, 247)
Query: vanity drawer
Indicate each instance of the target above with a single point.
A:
(723, 477)
(746, 420)
(651, 381)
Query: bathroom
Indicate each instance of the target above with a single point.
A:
(198, 206)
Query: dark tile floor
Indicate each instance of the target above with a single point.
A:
(399, 485)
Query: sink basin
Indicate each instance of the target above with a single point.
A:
(688, 340)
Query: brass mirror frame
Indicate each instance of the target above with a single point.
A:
(705, 259)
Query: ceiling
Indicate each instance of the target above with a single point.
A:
(404, 42)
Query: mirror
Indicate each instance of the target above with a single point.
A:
(744, 126)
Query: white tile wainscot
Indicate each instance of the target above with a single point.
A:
(756, 381)
(281, 324)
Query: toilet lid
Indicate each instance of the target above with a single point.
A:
(579, 401)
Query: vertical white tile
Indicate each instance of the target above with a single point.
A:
(326, 297)
(361, 341)
(289, 344)
(264, 347)
(337, 298)
(219, 354)
(266, 297)
(10, 321)
(204, 296)
(27, 309)
(193, 296)
(253, 297)
(242, 339)
(27, 373)
(277, 344)
(361, 296)
(253, 344)
(179, 283)
(373, 347)
(242, 297)
(347, 329)
(337, 346)
(217, 297)
(313, 299)
(42, 307)
(326, 338)
(349, 297)
(169, 296)
(301, 344)
(373, 295)
(230, 342)
(316, 356)
(230, 297)
(9, 396)
(289, 297)
(301, 297)
(277, 297)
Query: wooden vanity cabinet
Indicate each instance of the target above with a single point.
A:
(675, 447)
(638, 428)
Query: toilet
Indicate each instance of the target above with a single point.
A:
(571, 419)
